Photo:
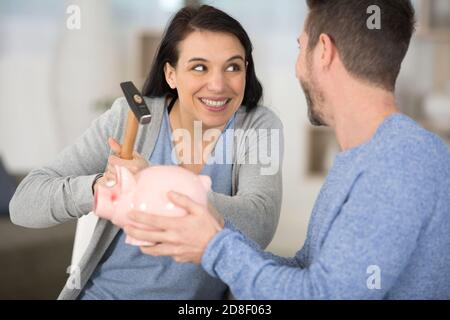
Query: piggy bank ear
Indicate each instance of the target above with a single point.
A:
(125, 179)
(206, 181)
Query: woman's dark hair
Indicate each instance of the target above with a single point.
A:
(186, 21)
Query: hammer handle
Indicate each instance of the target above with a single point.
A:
(130, 137)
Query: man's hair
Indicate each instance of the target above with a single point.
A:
(373, 55)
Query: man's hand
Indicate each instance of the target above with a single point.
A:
(183, 238)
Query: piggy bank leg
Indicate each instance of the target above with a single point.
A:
(131, 241)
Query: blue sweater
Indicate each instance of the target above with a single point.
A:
(380, 228)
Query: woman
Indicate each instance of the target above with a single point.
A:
(203, 73)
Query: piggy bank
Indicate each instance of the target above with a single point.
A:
(147, 191)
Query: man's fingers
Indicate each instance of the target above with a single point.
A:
(154, 221)
(162, 249)
(149, 236)
(185, 202)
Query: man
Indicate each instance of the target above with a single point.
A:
(380, 228)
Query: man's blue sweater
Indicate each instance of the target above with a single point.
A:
(380, 228)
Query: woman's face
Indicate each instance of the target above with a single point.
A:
(209, 77)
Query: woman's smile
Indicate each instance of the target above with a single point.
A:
(218, 104)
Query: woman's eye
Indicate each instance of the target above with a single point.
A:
(234, 68)
(199, 68)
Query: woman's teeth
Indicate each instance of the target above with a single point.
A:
(212, 103)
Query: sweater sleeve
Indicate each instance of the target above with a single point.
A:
(62, 191)
(255, 208)
(285, 261)
(365, 250)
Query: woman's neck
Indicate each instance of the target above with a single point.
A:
(199, 144)
(186, 121)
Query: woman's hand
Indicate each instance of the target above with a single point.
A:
(102, 182)
(134, 165)
(183, 238)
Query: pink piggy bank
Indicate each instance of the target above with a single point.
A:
(147, 191)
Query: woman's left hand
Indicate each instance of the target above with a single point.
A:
(183, 238)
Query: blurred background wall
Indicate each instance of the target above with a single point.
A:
(54, 81)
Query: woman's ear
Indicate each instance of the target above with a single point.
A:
(169, 72)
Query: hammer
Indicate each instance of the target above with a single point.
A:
(138, 114)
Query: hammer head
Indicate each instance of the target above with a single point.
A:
(136, 102)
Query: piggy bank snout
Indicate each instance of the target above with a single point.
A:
(104, 202)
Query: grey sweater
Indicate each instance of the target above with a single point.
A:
(62, 191)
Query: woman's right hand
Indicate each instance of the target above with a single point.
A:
(102, 182)
(134, 165)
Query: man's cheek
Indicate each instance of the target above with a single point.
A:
(297, 71)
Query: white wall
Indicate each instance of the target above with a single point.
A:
(27, 126)
(52, 78)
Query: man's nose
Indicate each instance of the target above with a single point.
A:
(216, 83)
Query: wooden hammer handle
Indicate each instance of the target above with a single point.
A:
(130, 137)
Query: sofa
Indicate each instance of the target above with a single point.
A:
(33, 262)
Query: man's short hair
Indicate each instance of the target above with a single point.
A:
(373, 55)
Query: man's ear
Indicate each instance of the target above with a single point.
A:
(327, 50)
(169, 73)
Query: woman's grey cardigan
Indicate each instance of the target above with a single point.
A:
(62, 191)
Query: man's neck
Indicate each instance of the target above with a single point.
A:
(358, 116)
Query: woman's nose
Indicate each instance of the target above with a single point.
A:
(216, 83)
